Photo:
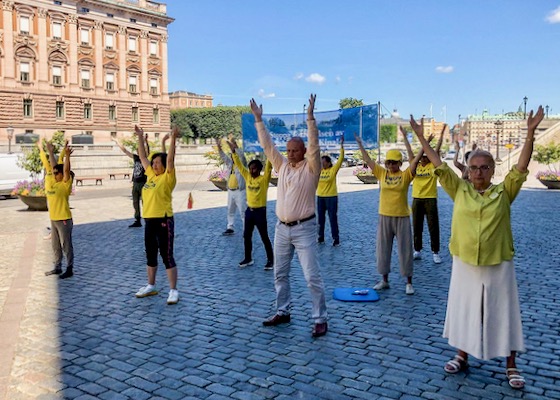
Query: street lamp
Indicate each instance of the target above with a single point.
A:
(525, 107)
(499, 125)
(10, 131)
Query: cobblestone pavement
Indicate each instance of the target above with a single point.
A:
(89, 338)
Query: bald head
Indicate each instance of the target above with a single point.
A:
(296, 150)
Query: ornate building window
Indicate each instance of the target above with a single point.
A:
(109, 41)
(27, 108)
(155, 116)
(134, 114)
(110, 81)
(59, 110)
(132, 44)
(57, 30)
(24, 74)
(112, 113)
(153, 47)
(132, 84)
(84, 36)
(154, 86)
(57, 75)
(24, 25)
(88, 113)
(86, 79)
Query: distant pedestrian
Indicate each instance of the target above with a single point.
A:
(394, 214)
(424, 200)
(462, 167)
(483, 317)
(237, 199)
(296, 228)
(58, 187)
(159, 234)
(327, 196)
(138, 180)
(255, 214)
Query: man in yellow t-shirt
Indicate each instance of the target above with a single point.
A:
(237, 199)
(327, 196)
(255, 214)
(394, 214)
(58, 186)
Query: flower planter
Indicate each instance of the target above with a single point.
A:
(550, 184)
(222, 185)
(367, 179)
(34, 203)
(274, 181)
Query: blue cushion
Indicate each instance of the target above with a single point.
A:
(351, 294)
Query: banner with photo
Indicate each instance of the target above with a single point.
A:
(332, 125)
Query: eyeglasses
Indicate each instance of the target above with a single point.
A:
(482, 168)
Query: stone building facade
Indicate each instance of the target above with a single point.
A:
(95, 67)
(182, 99)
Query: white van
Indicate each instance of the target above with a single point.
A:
(10, 173)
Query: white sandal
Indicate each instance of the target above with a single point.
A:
(457, 364)
(515, 380)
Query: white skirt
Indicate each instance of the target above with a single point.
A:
(483, 317)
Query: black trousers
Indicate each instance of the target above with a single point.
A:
(256, 217)
(427, 208)
(328, 205)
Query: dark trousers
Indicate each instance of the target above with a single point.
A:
(159, 235)
(136, 197)
(330, 205)
(256, 217)
(428, 208)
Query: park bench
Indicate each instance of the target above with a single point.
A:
(80, 181)
(113, 175)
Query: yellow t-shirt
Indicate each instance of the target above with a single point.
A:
(57, 198)
(327, 179)
(232, 180)
(257, 188)
(393, 195)
(156, 194)
(424, 185)
(481, 225)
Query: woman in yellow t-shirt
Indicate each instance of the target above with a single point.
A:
(483, 317)
(394, 214)
(327, 196)
(157, 212)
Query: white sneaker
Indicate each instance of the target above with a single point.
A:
(381, 285)
(148, 290)
(437, 258)
(409, 288)
(416, 255)
(173, 296)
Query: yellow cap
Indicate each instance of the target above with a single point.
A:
(393, 155)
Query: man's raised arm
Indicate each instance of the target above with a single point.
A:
(313, 149)
(270, 150)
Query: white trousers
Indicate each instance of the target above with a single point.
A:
(237, 200)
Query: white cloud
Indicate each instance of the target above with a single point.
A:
(265, 95)
(337, 79)
(298, 76)
(444, 70)
(553, 17)
(316, 78)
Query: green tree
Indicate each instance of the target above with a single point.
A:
(350, 102)
(388, 133)
(30, 160)
(547, 154)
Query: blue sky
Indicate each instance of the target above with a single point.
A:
(419, 57)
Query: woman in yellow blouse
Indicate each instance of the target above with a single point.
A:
(483, 317)
(327, 196)
(157, 211)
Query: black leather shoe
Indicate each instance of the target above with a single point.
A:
(277, 319)
(53, 272)
(67, 274)
(319, 330)
(137, 224)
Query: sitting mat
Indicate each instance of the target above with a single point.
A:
(347, 294)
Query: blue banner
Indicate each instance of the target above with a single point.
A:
(332, 125)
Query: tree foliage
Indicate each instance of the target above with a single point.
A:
(388, 133)
(30, 160)
(209, 123)
(350, 102)
(547, 154)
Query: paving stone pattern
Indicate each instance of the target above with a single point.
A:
(89, 338)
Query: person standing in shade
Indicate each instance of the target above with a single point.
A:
(483, 316)
(327, 196)
(237, 199)
(138, 180)
(159, 234)
(255, 214)
(424, 200)
(58, 186)
(394, 214)
(296, 229)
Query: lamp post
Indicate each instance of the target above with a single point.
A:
(546, 108)
(10, 131)
(499, 125)
(525, 107)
